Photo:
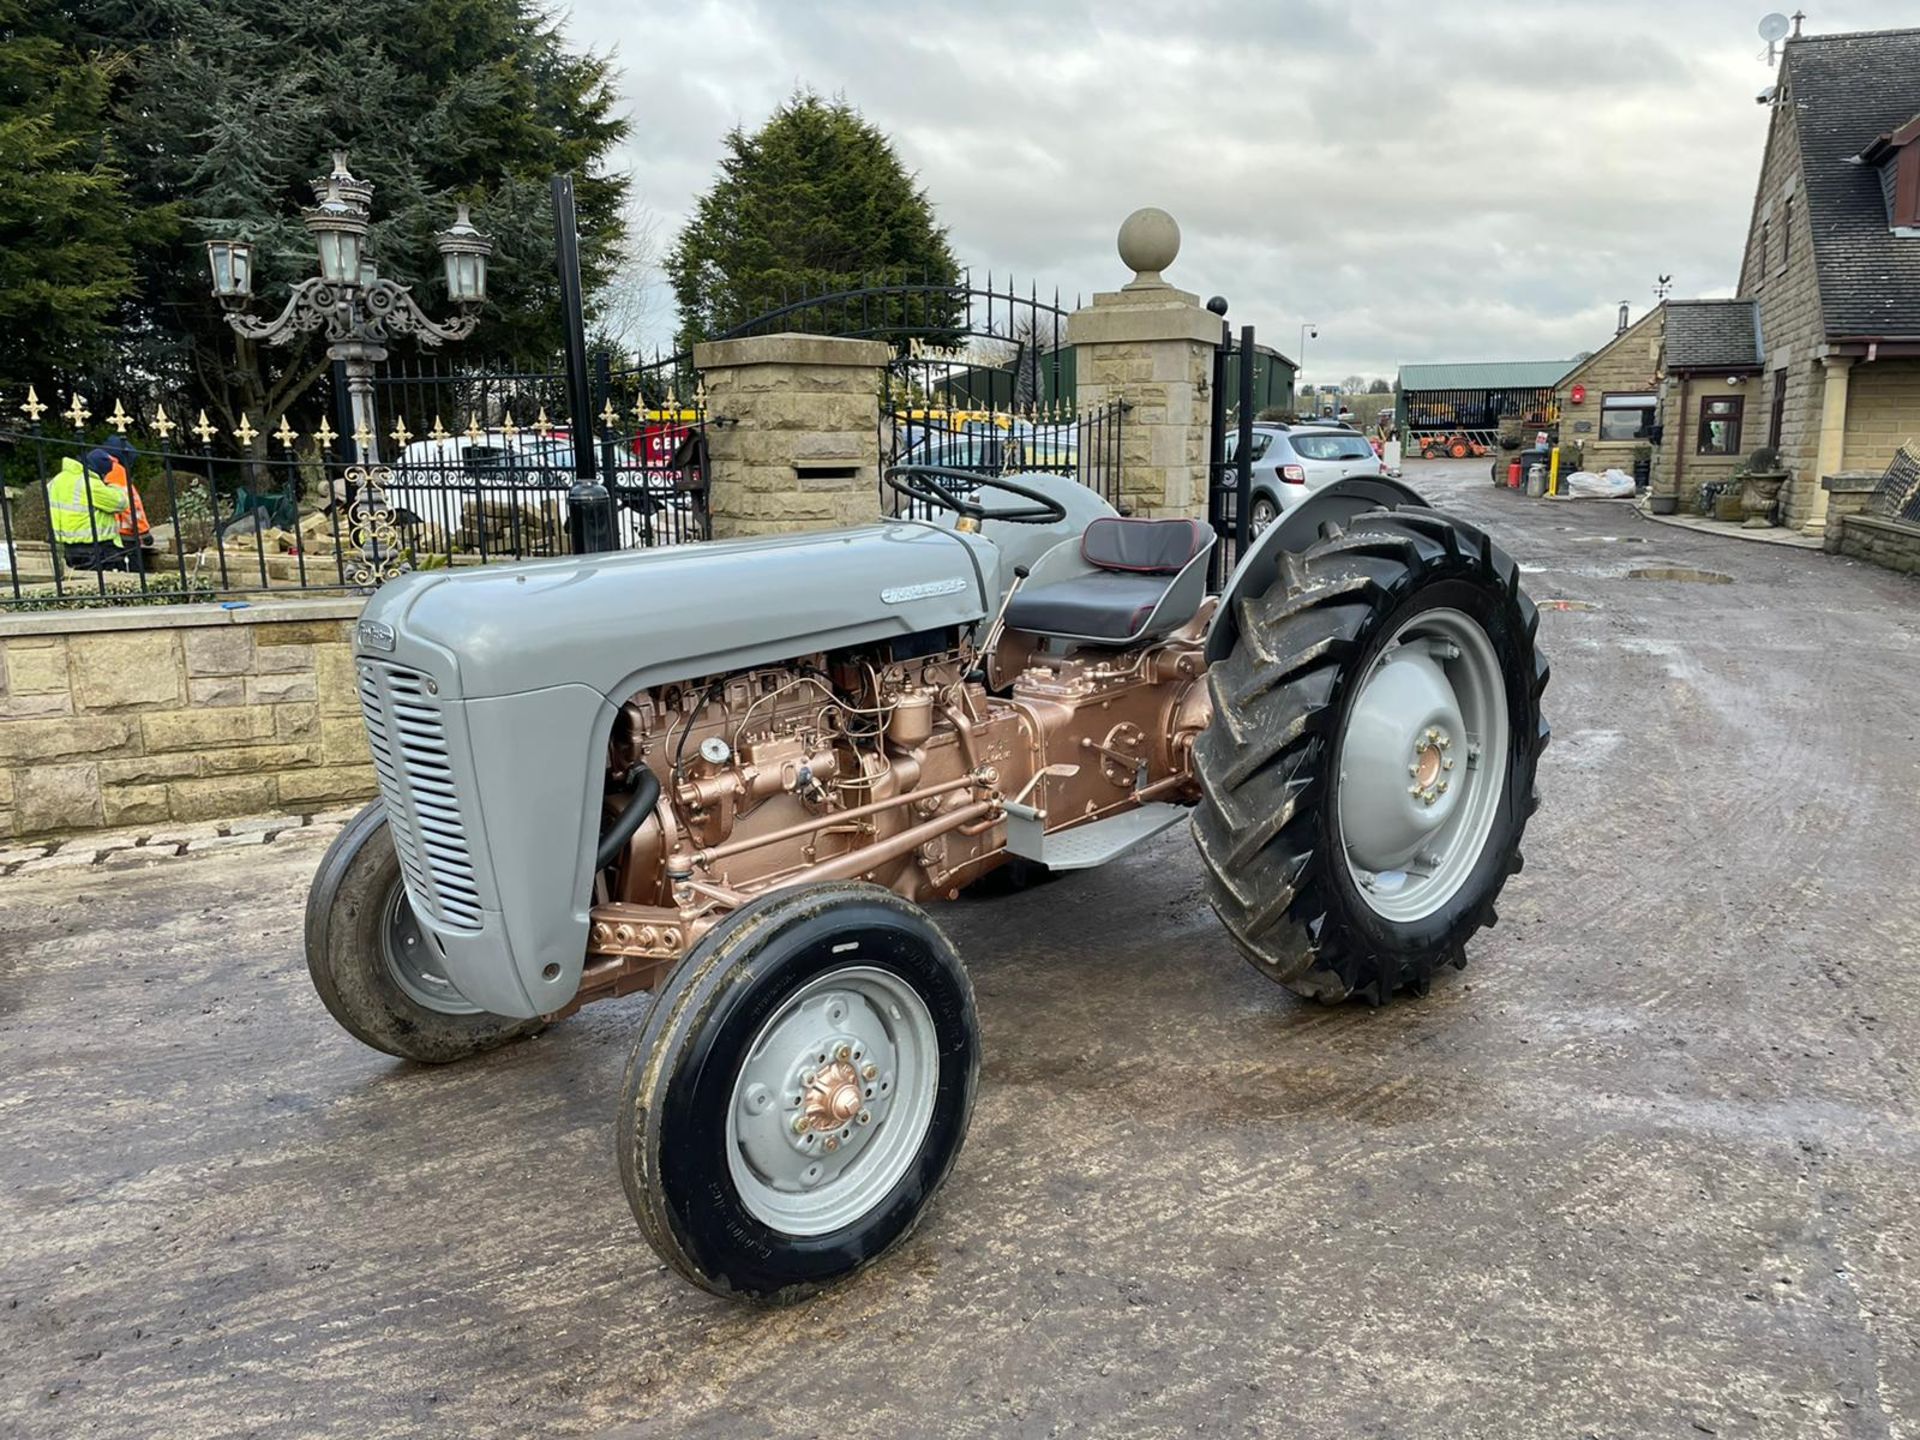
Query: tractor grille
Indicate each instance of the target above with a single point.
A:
(409, 743)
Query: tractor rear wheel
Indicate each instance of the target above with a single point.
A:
(1370, 767)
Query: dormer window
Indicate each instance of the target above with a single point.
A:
(1896, 155)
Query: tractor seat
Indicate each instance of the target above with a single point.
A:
(1117, 587)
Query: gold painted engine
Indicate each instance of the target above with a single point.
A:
(864, 765)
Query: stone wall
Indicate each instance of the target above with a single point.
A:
(177, 713)
(1627, 364)
(1678, 454)
(1847, 494)
(1150, 347)
(1883, 412)
(1892, 543)
(1790, 316)
(793, 432)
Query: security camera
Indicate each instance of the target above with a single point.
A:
(1765, 97)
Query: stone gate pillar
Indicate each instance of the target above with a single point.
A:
(792, 432)
(1151, 346)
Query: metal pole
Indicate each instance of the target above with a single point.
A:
(1243, 452)
(1217, 452)
(357, 359)
(589, 509)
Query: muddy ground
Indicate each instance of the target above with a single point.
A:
(1647, 1167)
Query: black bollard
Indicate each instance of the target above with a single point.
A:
(590, 518)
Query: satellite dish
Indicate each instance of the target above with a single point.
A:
(1774, 27)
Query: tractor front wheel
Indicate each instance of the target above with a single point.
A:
(374, 970)
(1370, 767)
(799, 1091)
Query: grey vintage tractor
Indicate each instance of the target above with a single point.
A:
(732, 773)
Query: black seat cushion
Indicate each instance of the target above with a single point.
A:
(1142, 547)
(1110, 605)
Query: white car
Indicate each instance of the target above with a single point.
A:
(1290, 462)
(507, 494)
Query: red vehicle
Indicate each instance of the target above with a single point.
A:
(1457, 446)
(661, 447)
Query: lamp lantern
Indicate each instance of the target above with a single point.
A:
(232, 264)
(465, 251)
(340, 232)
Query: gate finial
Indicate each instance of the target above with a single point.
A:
(1149, 241)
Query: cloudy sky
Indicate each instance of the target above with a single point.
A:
(1425, 181)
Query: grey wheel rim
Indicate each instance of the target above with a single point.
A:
(833, 1101)
(1261, 515)
(1422, 765)
(412, 962)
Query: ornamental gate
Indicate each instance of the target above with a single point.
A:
(1230, 453)
(982, 379)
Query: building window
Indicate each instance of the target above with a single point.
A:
(1627, 417)
(1786, 233)
(1720, 425)
(1762, 268)
(1777, 420)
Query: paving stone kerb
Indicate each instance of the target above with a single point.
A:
(179, 713)
(793, 432)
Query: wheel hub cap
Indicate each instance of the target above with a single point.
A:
(831, 1096)
(1416, 805)
(832, 1101)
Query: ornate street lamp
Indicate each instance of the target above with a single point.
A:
(232, 264)
(359, 310)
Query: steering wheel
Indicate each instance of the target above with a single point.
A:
(916, 482)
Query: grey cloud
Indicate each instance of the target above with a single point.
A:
(1425, 181)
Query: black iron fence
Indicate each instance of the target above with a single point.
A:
(1897, 495)
(983, 440)
(144, 504)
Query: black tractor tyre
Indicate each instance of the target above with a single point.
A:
(357, 921)
(1268, 825)
(681, 1135)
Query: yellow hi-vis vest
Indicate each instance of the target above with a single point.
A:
(83, 507)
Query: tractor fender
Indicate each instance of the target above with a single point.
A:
(1293, 532)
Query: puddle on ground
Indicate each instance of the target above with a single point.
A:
(1566, 605)
(1679, 573)
(1609, 539)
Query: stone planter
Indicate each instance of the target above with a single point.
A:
(1758, 495)
(1663, 504)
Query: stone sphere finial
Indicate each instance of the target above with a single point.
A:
(1149, 239)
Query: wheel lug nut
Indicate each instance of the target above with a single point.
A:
(844, 1052)
(866, 1117)
(799, 1124)
(833, 1142)
(869, 1070)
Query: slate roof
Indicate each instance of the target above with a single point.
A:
(1485, 375)
(1846, 91)
(1713, 334)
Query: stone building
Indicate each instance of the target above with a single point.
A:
(1832, 262)
(1681, 381)
(1609, 401)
